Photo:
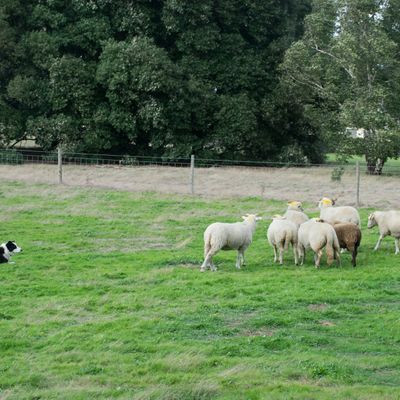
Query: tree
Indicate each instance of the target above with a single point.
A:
(157, 77)
(346, 71)
(228, 52)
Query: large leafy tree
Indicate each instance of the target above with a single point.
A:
(229, 52)
(346, 70)
(162, 77)
(49, 90)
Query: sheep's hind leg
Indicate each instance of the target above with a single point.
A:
(208, 261)
(354, 257)
(275, 254)
(301, 252)
(281, 248)
(337, 258)
(238, 260)
(396, 243)
(242, 255)
(242, 261)
(317, 258)
(296, 260)
(212, 266)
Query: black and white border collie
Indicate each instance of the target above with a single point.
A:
(7, 250)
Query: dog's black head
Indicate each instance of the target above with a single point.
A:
(12, 247)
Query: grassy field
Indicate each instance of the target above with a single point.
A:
(390, 163)
(107, 301)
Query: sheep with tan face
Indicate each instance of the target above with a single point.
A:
(295, 213)
(336, 215)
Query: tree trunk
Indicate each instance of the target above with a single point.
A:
(379, 166)
(371, 162)
(374, 165)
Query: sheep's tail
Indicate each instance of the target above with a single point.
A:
(330, 252)
(287, 240)
(335, 249)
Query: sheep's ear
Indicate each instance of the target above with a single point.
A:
(259, 218)
(244, 217)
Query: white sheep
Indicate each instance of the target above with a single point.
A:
(281, 233)
(228, 236)
(389, 225)
(317, 235)
(335, 215)
(295, 213)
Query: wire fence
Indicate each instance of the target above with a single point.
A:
(205, 177)
(21, 156)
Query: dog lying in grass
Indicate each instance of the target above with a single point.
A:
(7, 250)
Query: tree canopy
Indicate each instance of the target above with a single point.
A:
(248, 79)
(160, 77)
(346, 71)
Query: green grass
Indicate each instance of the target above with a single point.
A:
(390, 163)
(107, 301)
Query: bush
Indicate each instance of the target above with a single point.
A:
(337, 173)
(293, 154)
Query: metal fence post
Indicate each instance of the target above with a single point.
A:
(358, 184)
(192, 174)
(60, 177)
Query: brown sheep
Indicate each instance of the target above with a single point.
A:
(349, 236)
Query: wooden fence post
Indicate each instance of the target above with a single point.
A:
(358, 184)
(192, 174)
(60, 177)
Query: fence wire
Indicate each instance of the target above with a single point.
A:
(206, 177)
(20, 156)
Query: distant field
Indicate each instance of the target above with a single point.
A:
(107, 301)
(391, 162)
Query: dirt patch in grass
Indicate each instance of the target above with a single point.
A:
(263, 332)
(318, 307)
(307, 184)
(326, 323)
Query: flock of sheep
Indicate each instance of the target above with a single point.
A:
(337, 228)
